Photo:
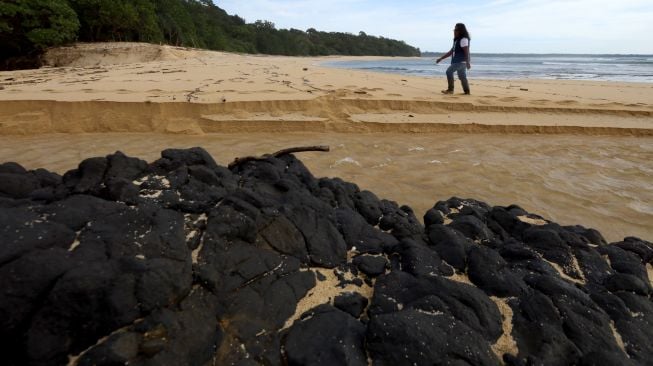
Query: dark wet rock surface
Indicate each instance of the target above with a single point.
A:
(185, 262)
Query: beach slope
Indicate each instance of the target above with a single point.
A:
(132, 87)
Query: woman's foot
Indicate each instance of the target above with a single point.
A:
(447, 91)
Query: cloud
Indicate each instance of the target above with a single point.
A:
(571, 26)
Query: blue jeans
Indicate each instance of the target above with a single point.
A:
(461, 68)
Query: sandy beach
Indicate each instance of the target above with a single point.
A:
(148, 88)
(578, 152)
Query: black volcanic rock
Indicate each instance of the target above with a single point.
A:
(17, 185)
(451, 244)
(413, 337)
(186, 262)
(400, 290)
(433, 217)
(189, 157)
(368, 205)
(326, 336)
(360, 235)
(490, 272)
(472, 227)
(12, 168)
(371, 265)
(352, 303)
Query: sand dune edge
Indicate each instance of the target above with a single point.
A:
(323, 114)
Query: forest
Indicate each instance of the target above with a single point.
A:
(28, 27)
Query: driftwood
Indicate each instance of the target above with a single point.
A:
(290, 150)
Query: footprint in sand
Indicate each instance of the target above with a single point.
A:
(566, 102)
(508, 99)
(393, 95)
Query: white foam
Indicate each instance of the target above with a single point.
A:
(347, 160)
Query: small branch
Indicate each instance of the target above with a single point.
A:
(299, 149)
(277, 154)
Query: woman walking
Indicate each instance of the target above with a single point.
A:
(460, 62)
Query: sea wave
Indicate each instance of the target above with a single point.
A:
(624, 68)
(383, 68)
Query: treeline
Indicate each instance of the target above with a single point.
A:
(27, 27)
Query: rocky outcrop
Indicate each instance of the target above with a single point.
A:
(185, 262)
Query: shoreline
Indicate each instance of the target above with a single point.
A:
(441, 74)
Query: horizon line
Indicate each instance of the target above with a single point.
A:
(551, 53)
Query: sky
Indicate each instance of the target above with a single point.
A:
(496, 26)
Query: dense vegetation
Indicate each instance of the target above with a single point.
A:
(29, 26)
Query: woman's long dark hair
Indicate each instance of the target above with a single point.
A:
(463, 33)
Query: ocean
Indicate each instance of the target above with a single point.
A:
(628, 68)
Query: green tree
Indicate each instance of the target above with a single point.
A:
(148, 27)
(176, 23)
(118, 20)
(44, 23)
(29, 26)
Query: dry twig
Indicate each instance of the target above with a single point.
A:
(290, 150)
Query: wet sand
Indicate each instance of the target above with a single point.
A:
(603, 182)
